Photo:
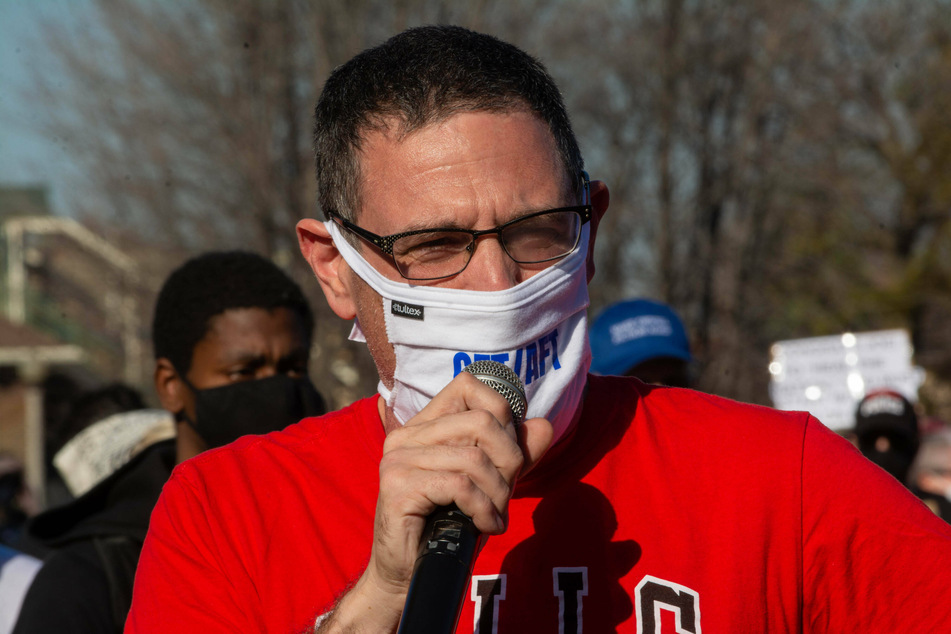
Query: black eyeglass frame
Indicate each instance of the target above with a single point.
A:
(385, 243)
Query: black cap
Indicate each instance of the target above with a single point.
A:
(885, 412)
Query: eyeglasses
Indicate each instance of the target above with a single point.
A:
(433, 254)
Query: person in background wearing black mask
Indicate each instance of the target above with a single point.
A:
(886, 431)
(232, 335)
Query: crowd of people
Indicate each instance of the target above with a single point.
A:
(459, 226)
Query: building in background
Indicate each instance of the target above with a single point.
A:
(73, 313)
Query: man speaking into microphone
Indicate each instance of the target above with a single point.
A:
(459, 226)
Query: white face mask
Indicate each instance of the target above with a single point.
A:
(538, 328)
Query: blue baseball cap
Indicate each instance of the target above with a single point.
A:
(630, 332)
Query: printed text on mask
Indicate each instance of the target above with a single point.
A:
(536, 357)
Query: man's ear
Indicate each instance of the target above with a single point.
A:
(328, 265)
(168, 386)
(600, 198)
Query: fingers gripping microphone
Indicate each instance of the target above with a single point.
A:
(450, 539)
(504, 381)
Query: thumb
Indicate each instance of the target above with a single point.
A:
(534, 437)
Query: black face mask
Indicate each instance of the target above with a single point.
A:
(228, 412)
(895, 464)
(897, 459)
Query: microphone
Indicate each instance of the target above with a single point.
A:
(450, 539)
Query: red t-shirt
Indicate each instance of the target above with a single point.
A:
(666, 510)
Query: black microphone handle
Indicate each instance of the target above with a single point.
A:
(441, 574)
(450, 539)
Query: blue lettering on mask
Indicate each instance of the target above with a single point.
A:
(553, 340)
(461, 360)
(539, 357)
(531, 364)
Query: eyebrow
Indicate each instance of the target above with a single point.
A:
(455, 224)
(241, 357)
(247, 356)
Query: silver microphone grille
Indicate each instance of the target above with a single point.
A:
(504, 381)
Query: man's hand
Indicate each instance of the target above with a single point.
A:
(461, 448)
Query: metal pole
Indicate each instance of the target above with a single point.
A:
(16, 273)
(34, 465)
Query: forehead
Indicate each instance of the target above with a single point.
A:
(243, 330)
(467, 165)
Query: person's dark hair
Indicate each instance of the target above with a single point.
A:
(208, 285)
(422, 76)
(94, 406)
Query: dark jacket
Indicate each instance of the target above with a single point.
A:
(937, 503)
(85, 584)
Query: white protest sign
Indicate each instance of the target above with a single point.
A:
(827, 376)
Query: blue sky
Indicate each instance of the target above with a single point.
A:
(27, 157)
